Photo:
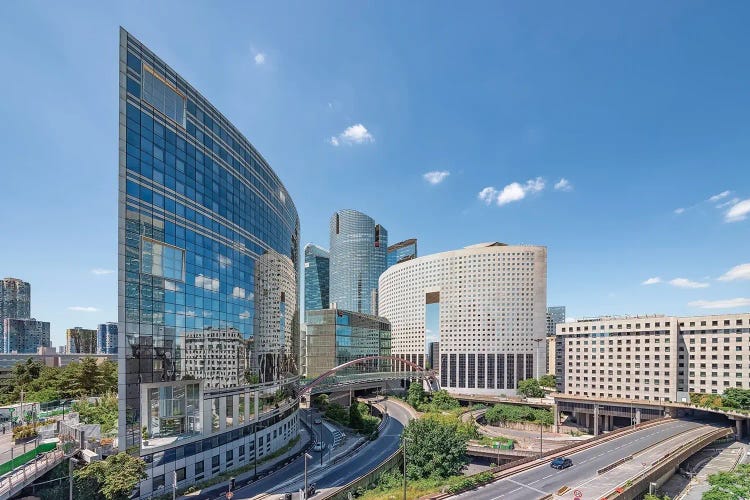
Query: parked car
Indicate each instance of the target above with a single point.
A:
(318, 421)
(286, 496)
(319, 446)
(311, 490)
(561, 463)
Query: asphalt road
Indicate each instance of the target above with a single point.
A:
(543, 479)
(290, 478)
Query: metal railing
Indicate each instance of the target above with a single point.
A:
(19, 478)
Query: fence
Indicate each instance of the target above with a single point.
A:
(16, 480)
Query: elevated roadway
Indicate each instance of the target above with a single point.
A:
(541, 480)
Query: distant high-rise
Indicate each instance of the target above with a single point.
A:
(317, 264)
(358, 258)
(80, 340)
(402, 251)
(555, 315)
(106, 338)
(24, 335)
(15, 300)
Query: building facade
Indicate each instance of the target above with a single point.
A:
(24, 335)
(106, 338)
(317, 266)
(402, 251)
(662, 358)
(15, 300)
(335, 336)
(81, 341)
(492, 317)
(358, 258)
(555, 316)
(208, 252)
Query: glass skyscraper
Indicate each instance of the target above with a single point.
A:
(402, 251)
(15, 300)
(106, 338)
(358, 258)
(208, 286)
(317, 264)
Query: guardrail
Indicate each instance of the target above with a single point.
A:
(659, 467)
(15, 481)
(614, 464)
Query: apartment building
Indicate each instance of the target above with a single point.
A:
(662, 358)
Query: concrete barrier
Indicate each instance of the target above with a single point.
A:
(613, 465)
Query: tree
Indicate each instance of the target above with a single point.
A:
(116, 477)
(530, 388)
(442, 401)
(729, 485)
(355, 416)
(434, 448)
(108, 377)
(416, 396)
(547, 381)
(736, 398)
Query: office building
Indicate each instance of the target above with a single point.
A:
(317, 264)
(491, 301)
(48, 357)
(208, 256)
(662, 358)
(81, 341)
(402, 251)
(24, 335)
(358, 258)
(555, 316)
(106, 338)
(15, 300)
(335, 336)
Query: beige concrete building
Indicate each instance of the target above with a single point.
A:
(550, 355)
(661, 358)
(491, 303)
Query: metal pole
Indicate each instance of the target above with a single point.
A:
(174, 485)
(304, 495)
(541, 450)
(404, 468)
(255, 447)
(70, 475)
(322, 450)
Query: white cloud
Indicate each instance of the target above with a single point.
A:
(190, 314)
(741, 272)
(570, 320)
(719, 196)
(686, 283)
(239, 292)
(721, 304)
(652, 281)
(679, 211)
(244, 314)
(738, 211)
(260, 58)
(488, 194)
(224, 262)
(563, 185)
(512, 192)
(211, 284)
(356, 134)
(436, 176)
(100, 272)
(86, 309)
(728, 203)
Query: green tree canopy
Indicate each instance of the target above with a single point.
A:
(434, 448)
(530, 388)
(736, 398)
(547, 380)
(114, 478)
(734, 485)
(416, 396)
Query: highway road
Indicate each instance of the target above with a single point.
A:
(290, 478)
(543, 479)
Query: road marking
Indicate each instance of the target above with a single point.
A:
(527, 486)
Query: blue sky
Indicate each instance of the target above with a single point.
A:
(640, 106)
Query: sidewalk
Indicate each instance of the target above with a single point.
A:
(710, 463)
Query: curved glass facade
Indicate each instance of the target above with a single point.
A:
(317, 264)
(358, 258)
(208, 257)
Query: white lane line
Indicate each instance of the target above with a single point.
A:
(501, 496)
(527, 486)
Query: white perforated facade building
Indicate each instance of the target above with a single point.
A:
(492, 302)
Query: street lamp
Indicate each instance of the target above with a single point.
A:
(537, 361)
(541, 449)
(307, 456)
(322, 450)
(404, 447)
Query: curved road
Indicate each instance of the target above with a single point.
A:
(291, 479)
(543, 479)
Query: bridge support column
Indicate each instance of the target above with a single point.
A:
(556, 413)
(739, 434)
(637, 415)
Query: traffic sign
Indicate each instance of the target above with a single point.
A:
(577, 493)
(577, 498)
(229, 495)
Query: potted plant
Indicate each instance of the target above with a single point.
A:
(145, 435)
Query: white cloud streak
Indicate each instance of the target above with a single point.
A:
(260, 58)
(512, 192)
(87, 309)
(679, 211)
(721, 304)
(686, 283)
(563, 185)
(738, 211)
(206, 283)
(652, 281)
(355, 134)
(436, 176)
(741, 272)
(101, 272)
(719, 196)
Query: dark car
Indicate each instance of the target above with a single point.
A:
(561, 463)
(318, 421)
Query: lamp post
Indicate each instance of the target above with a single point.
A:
(404, 447)
(537, 349)
(541, 449)
(306, 457)
(322, 449)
